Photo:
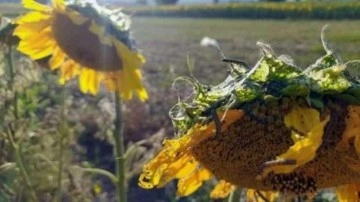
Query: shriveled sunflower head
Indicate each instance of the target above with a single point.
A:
(84, 40)
(273, 129)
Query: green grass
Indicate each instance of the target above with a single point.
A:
(257, 10)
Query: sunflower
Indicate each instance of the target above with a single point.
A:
(275, 130)
(84, 40)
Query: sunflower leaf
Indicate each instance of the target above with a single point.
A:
(330, 80)
(272, 67)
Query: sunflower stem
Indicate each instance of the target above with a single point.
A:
(235, 196)
(63, 134)
(121, 185)
(9, 58)
(11, 133)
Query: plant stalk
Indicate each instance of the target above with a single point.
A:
(235, 196)
(63, 134)
(11, 133)
(9, 58)
(121, 185)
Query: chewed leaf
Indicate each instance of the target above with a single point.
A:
(330, 80)
(272, 68)
(261, 73)
(247, 93)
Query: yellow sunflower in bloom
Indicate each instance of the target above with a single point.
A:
(84, 40)
(275, 130)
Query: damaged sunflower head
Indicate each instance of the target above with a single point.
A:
(83, 39)
(272, 129)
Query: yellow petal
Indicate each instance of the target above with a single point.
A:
(68, 71)
(190, 184)
(34, 51)
(36, 45)
(348, 193)
(302, 119)
(142, 94)
(33, 17)
(89, 81)
(186, 168)
(33, 5)
(57, 58)
(304, 150)
(175, 159)
(29, 30)
(131, 75)
(222, 190)
(182, 167)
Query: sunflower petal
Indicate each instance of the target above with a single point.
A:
(89, 81)
(348, 192)
(68, 71)
(34, 17)
(34, 52)
(222, 190)
(304, 150)
(33, 5)
(28, 30)
(190, 184)
(57, 58)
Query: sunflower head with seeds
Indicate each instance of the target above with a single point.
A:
(274, 129)
(83, 39)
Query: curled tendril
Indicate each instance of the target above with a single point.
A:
(193, 82)
(326, 45)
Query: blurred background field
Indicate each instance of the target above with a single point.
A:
(167, 43)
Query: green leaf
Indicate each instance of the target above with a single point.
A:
(247, 93)
(296, 89)
(330, 80)
(272, 68)
(261, 73)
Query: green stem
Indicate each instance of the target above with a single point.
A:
(235, 196)
(11, 134)
(121, 184)
(63, 134)
(20, 164)
(9, 58)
